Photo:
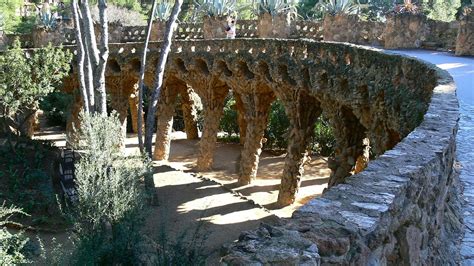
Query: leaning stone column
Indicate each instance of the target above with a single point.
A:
(302, 117)
(350, 135)
(213, 110)
(119, 103)
(164, 124)
(133, 103)
(239, 105)
(256, 115)
(188, 105)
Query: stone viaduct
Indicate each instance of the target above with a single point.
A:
(404, 110)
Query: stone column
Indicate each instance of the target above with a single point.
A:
(188, 105)
(350, 135)
(363, 159)
(256, 115)
(73, 122)
(164, 123)
(213, 110)
(119, 103)
(302, 114)
(133, 103)
(239, 105)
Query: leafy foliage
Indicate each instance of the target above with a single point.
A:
(163, 10)
(323, 141)
(275, 7)
(121, 15)
(25, 80)
(229, 123)
(335, 7)
(278, 125)
(56, 107)
(109, 211)
(444, 10)
(26, 182)
(216, 8)
(48, 21)
(375, 10)
(11, 245)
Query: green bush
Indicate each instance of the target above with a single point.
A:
(323, 141)
(109, 212)
(25, 179)
(229, 123)
(11, 245)
(277, 132)
(25, 80)
(277, 129)
(56, 107)
(121, 14)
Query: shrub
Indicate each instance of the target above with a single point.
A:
(110, 186)
(121, 15)
(323, 141)
(56, 107)
(229, 123)
(334, 7)
(26, 181)
(275, 7)
(25, 80)
(277, 129)
(11, 245)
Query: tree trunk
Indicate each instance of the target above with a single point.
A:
(80, 57)
(142, 78)
(92, 59)
(160, 69)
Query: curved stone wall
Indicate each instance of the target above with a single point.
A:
(399, 31)
(407, 110)
(392, 212)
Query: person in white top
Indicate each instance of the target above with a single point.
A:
(230, 29)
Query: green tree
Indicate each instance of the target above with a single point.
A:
(444, 10)
(25, 79)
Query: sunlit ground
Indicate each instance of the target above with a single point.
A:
(204, 210)
(263, 190)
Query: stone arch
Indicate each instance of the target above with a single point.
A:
(351, 142)
(166, 110)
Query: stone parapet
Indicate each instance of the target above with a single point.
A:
(400, 31)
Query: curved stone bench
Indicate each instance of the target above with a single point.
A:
(390, 212)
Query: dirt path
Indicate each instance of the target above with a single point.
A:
(207, 208)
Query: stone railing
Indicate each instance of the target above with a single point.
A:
(394, 211)
(400, 31)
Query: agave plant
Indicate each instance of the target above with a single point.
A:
(163, 10)
(216, 8)
(48, 21)
(334, 7)
(275, 7)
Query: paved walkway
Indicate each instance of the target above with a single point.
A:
(462, 70)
